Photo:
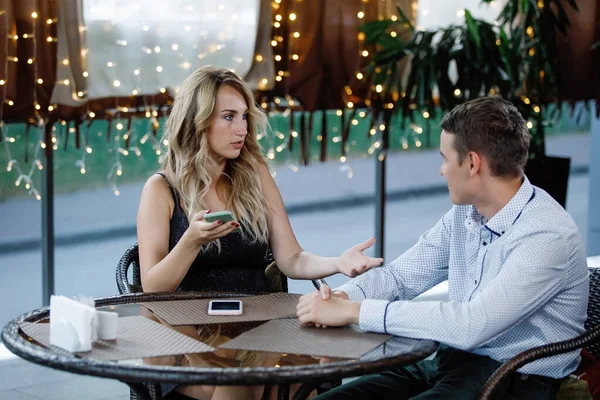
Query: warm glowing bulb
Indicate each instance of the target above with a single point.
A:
(457, 92)
(360, 14)
(157, 49)
(92, 114)
(37, 107)
(40, 81)
(119, 172)
(65, 61)
(49, 21)
(50, 108)
(425, 114)
(175, 47)
(80, 94)
(30, 61)
(338, 113)
(159, 69)
(34, 15)
(163, 90)
(529, 30)
(278, 17)
(277, 57)
(359, 75)
(296, 34)
(85, 74)
(530, 124)
(292, 17)
(365, 53)
(378, 88)
(82, 170)
(116, 83)
(350, 104)
(2, 82)
(295, 57)
(110, 64)
(258, 58)
(134, 92)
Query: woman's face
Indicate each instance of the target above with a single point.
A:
(229, 127)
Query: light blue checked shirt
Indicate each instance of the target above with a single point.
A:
(517, 281)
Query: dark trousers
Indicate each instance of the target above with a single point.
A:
(451, 374)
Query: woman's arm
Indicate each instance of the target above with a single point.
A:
(160, 269)
(291, 259)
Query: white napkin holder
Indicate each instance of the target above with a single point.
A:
(74, 325)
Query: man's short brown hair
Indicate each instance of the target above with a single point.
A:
(494, 128)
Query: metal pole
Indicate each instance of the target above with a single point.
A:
(48, 221)
(380, 167)
(380, 172)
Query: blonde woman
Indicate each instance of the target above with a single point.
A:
(213, 163)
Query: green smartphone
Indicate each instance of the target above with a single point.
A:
(225, 216)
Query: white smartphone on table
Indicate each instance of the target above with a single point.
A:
(225, 307)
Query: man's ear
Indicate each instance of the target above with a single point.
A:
(475, 162)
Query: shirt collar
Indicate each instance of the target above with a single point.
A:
(507, 216)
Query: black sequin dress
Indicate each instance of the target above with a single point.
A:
(239, 266)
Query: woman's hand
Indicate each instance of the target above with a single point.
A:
(202, 232)
(353, 262)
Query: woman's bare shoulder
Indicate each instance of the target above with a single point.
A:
(157, 187)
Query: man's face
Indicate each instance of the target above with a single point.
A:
(453, 170)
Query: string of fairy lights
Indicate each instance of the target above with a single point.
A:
(23, 178)
(126, 141)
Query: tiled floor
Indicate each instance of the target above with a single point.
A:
(22, 380)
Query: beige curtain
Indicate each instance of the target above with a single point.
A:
(117, 48)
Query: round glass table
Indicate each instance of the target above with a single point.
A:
(153, 377)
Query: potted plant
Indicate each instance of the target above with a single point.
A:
(515, 57)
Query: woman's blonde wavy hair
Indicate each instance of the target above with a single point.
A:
(188, 158)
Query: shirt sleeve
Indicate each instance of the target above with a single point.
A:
(533, 273)
(420, 268)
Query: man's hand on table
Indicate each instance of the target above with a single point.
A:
(324, 308)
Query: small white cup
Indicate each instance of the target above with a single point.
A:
(107, 325)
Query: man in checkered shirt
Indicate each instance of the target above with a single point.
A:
(515, 265)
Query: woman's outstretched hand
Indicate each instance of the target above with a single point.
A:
(353, 262)
(202, 232)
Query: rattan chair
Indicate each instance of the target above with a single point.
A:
(588, 340)
(277, 283)
(130, 259)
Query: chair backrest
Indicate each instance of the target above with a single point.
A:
(594, 309)
(131, 259)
